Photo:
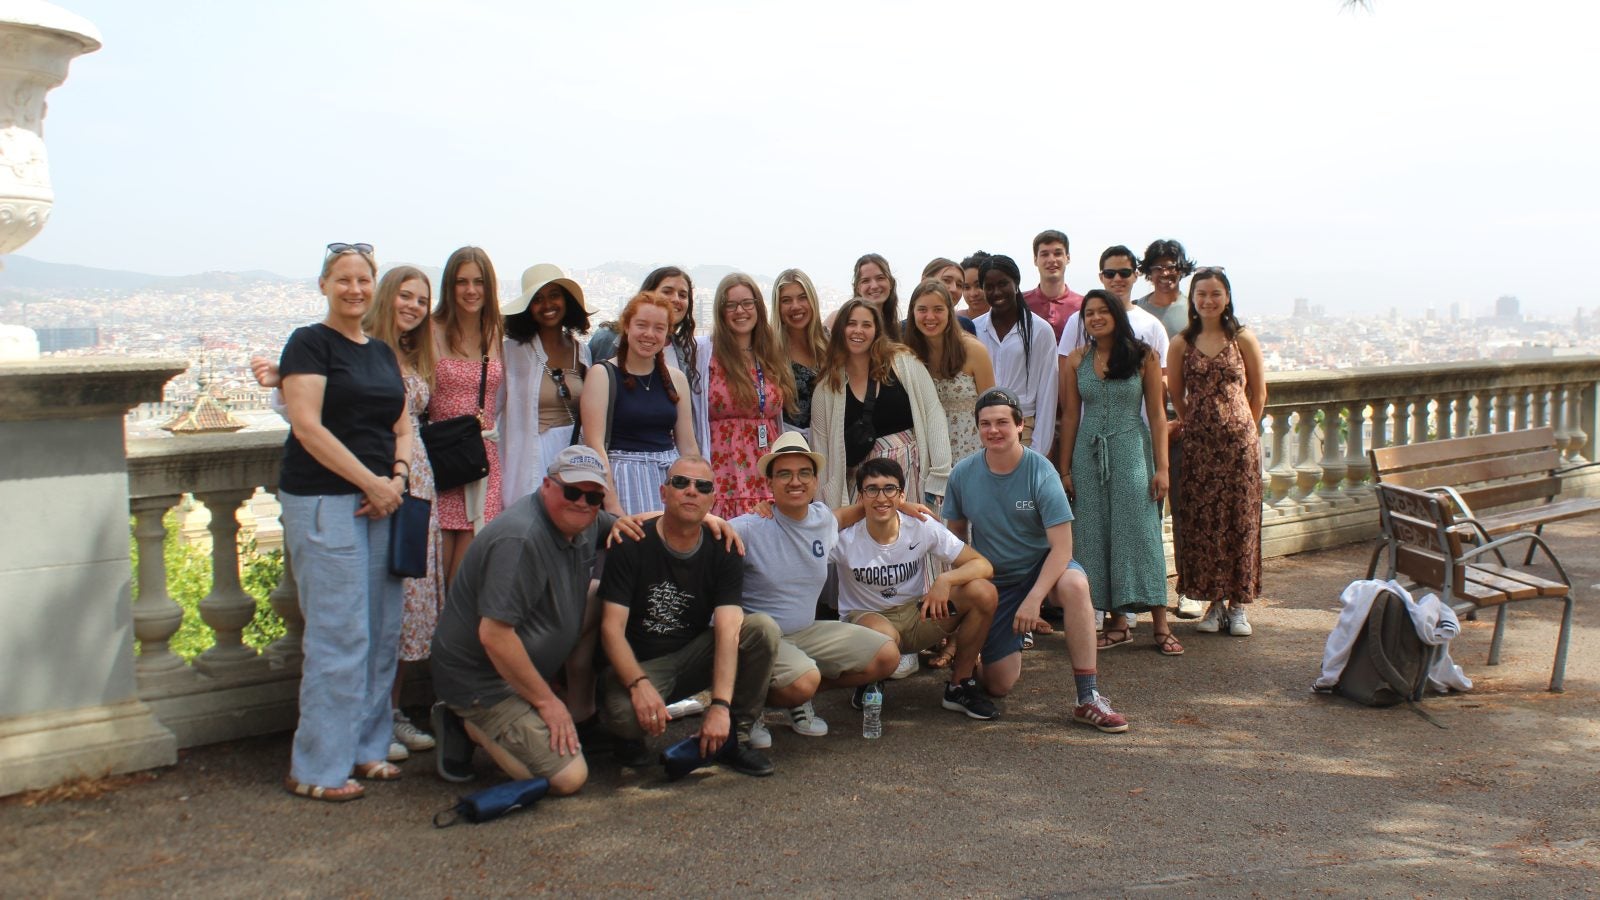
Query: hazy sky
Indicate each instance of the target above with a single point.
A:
(1426, 152)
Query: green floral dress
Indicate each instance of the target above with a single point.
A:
(1116, 532)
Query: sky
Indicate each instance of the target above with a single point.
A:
(1417, 153)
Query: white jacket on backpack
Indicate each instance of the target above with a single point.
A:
(1436, 624)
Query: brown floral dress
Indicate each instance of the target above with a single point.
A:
(1220, 516)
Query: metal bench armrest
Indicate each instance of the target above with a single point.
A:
(1495, 545)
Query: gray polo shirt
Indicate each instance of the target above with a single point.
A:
(786, 564)
(521, 571)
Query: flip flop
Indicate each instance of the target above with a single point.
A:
(343, 794)
(382, 770)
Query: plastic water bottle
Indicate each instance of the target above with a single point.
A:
(872, 712)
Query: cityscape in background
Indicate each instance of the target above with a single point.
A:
(218, 321)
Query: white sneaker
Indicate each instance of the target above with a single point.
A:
(415, 739)
(908, 666)
(760, 737)
(1212, 623)
(1238, 625)
(398, 752)
(804, 720)
(1189, 609)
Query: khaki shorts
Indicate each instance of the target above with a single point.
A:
(516, 729)
(916, 633)
(832, 648)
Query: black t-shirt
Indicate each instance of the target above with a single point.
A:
(891, 414)
(364, 397)
(669, 598)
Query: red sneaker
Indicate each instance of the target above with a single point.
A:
(1098, 712)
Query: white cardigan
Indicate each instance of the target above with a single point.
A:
(522, 462)
(927, 420)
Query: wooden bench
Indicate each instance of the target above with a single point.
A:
(1485, 472)
(1429, 546)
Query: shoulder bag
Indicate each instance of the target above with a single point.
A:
(456, 447)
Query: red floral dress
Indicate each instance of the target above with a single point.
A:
(455, 393)
(735, 444)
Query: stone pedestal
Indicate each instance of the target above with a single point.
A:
(68, 698)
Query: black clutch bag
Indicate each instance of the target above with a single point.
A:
(408, 537)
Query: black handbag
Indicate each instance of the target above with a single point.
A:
(860, 435)
(408, 537)
(456, 447)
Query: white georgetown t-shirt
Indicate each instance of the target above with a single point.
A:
(874, 577)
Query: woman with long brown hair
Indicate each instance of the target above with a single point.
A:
(957, 362)
(467, 331)
(797, 326)
(876, 385)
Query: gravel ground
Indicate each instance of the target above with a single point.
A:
(1234, 779)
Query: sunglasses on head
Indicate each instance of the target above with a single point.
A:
(1117, 273)
(593, 498)
(681, 482)
(336, 249)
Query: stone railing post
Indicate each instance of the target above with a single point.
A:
(227, 609)
(69, 704)
(1280, 477)
(286, 652)
(1419, 421)
(1463, 423)
(156, 616)
(1444, 415)
(1332, 462)
(1357, 466)
(1585, 418)
(1485, 411)
(1307, 474)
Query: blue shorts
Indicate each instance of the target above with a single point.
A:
(1002, 640)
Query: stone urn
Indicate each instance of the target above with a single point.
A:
(37, 41)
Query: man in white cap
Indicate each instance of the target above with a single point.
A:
(519, 608)
(785, 569)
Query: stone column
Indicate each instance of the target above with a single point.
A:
(69, 705)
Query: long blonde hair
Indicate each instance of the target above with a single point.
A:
(730, 359)
(415, 347)
(816, 335)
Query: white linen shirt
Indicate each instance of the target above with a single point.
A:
(1033, 376)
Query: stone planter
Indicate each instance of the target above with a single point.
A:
(37, 41)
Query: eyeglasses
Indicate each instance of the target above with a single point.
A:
(593, 498)
(336, 249)
(1165, 269)
(741, 305)
(682, 482)
(562, 391)
(1117, 273)
(794, 475)
(888, 491)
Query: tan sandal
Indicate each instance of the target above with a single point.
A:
(382, 770)
(343, 794)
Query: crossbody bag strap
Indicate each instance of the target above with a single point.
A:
(611, 402)
(483, 384)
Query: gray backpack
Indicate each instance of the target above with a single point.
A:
(1389, 662)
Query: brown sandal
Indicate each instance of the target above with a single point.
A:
(1167, 644)
(342, 794)
(945, 655)
(1106, 641)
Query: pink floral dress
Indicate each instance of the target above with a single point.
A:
(735, 443)
(455, 393)
(423, 596)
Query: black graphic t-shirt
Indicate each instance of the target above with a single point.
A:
(669, 597)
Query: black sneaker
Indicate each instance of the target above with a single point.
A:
(858, 696)
(452, 759)
(967, 697)
(633, 754)
(746, 760)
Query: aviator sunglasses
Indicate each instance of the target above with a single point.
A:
(593, 498)
(336, 248)
(680, 482)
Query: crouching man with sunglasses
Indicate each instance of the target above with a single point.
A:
(517, 610)
(672, 626)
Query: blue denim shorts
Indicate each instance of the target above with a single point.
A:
(1002, 640)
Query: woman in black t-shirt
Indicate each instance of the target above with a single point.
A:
(344, 467)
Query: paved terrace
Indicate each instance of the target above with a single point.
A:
(1234, 779)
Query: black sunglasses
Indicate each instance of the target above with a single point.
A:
(593, 498)
(680, 482)
(336, 249)
(560, 378)
(1117, 273)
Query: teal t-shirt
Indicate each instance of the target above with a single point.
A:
(1008, 514)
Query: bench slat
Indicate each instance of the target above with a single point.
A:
(1430, 453)
(1538, 463)
(1493, 495)
(1511, 587)
(1543, 586)
(1520, 519)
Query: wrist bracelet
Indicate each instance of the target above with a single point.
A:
(718, 701)
(635, 683)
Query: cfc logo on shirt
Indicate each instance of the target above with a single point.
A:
(1024, 504)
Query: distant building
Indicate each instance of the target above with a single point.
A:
(1302, 308)
(208, 415)
(1508, 309)
(52, 340)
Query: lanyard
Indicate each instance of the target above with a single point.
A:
(761, 389)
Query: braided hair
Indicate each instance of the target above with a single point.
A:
(1008, 267)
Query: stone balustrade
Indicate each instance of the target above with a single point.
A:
(1316, 430)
